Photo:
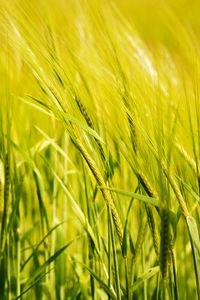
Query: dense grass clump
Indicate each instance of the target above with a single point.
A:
(99, 150)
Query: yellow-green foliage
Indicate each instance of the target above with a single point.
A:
(99, 129)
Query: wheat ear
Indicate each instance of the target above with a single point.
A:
(151, 213)
(6, 196)
(88, 119)
(106, 194)
(165, 242)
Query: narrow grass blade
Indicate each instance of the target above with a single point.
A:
(136, 196)
(195, 243)
(145, 276)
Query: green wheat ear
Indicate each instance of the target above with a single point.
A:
(1, 201)
(152, 219)
(1, 190)
(6, 205)
(106, 194)
(89, 121)
(165, 242)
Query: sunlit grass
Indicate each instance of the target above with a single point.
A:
(99, 150)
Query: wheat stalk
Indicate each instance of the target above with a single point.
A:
(140, 237)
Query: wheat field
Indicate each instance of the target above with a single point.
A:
(99, 149)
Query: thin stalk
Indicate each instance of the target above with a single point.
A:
(158, 287)
(174, 275)
(8, 256)
(18, 250)
(127, 279)
(109, 253)
(143, 267)
(116, 269)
